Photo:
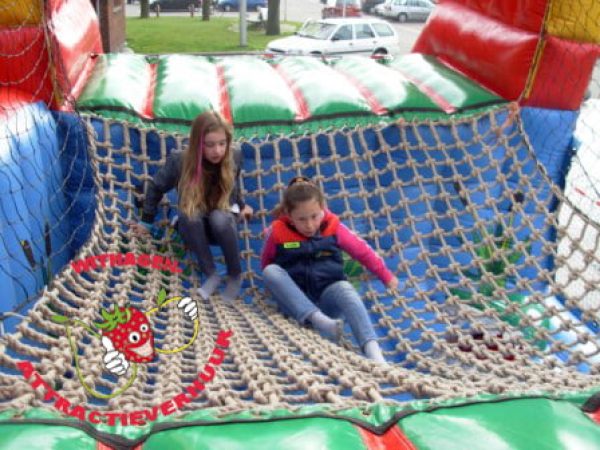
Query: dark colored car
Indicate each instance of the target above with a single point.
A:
(234, 5)
(368, 5)
(174, 5)
(341, 8)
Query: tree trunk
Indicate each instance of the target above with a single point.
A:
(273, 18)
(144, 8)
(206, 9)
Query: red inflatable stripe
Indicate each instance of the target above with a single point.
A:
(224, 94)
(374, 104)
(302, 113)
(436, 97)
(392, 439)
(148, 108)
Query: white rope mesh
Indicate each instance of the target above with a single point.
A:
(463, 213)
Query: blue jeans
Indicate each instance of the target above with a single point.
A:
(217, 227)
(338, 299)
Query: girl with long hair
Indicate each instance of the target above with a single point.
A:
(209, 199)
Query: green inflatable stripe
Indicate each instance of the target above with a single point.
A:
(186, 86)
(300, 434)
(391, 90)
(44, 437)
(325, 91)
(256, 91)
(118, 81)
(456, 89)
(524, 424)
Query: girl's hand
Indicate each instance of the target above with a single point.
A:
(246, 212)
(393, 283)
(139, 229)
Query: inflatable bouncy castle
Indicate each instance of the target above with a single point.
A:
(470, 165)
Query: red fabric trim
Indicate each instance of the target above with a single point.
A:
(595, 416)
(374, 104)
(392, 439)
(148, 108)
(436, 97)
(90, 64)
(224, 95)
(302, 113)
(102, 446)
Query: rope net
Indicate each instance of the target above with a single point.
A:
(487, 247)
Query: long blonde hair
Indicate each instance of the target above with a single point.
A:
(194, 182)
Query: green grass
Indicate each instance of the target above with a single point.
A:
(192, 35)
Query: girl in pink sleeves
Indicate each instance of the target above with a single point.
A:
(304, 270)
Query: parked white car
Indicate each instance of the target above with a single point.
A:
(338, 36)
(380, 9)
(405, 10)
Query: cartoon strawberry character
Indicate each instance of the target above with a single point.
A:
(129, 332)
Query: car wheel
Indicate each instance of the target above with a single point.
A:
(379, 52)
(402, 17)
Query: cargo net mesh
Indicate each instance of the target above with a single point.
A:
(494, 296)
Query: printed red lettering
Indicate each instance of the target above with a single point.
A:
(93, 417)
(26, 369)
(223, 338)
(137, 418)
(157, 262)
(218, 356)
(167, 408)
(78, 412)
(181, 400)
(62, 404)
(144, 260)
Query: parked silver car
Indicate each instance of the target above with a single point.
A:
(405, 10)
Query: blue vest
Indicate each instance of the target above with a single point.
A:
(313, 262)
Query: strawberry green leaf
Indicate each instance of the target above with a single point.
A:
(56, 318)
(162, 296)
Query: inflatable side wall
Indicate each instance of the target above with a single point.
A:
(531, 50)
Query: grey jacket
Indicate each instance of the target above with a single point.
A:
(168, 176)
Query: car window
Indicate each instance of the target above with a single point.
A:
(383, 29)
(316, 30)
(363, 31)
(343, 33)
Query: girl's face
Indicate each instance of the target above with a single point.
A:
(307, 217)
(215, 146)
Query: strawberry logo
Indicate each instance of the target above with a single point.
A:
(130, 333)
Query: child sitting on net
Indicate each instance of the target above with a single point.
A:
(304, 271)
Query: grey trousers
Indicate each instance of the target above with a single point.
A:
(217, 227)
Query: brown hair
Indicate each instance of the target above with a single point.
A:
(300, 189)
(195, 183)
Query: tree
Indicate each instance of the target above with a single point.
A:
(273, 18)
(144, 9)
(206, 9)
